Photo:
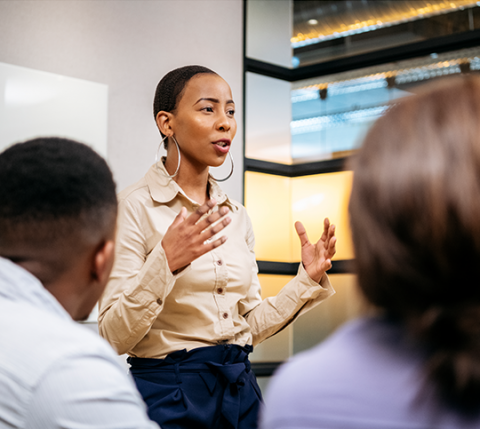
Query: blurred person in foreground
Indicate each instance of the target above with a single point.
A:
(57, 225)
(415, 217)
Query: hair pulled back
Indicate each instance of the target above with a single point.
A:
(415, 217)
(170, 88)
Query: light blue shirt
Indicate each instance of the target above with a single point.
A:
(367, 375)
(55, 373)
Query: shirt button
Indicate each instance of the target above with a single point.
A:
(220, 290)
(225, 315)
(159, 301)
(219, 262)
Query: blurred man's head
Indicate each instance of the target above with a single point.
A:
(57, 218)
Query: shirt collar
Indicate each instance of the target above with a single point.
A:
(164, 189)
(17, 284)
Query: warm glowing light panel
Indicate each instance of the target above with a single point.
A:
(275, 203)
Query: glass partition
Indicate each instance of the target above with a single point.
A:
(328, 30)
(295, 33)
(310, 98)
(330, 115)
(274, 203)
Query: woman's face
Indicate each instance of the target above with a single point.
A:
(203, 122)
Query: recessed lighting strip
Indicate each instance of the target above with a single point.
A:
(378, 80)
(407, 15)
(318, 123)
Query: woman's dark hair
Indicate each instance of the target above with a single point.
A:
(415, 217)
(170, 89)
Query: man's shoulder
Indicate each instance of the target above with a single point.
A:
(32, 339)
(38, 345)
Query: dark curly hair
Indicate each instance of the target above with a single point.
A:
(54, 190)
(170, 89)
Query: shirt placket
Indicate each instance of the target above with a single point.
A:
(225, 315)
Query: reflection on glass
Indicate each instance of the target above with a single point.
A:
(339, 19)
(275, 203)
(331, 114)
(296, 33)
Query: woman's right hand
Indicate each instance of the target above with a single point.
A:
(188, 238)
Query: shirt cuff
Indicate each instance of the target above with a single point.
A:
(312, 289)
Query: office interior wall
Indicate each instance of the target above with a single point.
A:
(129, 45)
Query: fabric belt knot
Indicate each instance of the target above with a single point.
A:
(231, 390)
(233, 373)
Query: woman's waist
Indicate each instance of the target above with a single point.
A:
(201, 359)
(159, 343)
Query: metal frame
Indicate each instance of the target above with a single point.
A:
(344, 266)
(418, 49)
(295, 170)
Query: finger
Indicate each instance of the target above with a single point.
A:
(331, 233)
(207, 221)
(326, 225)
(326, 265)
(210, 245)
(180, 217)
(302, 233)
(331, 250)
(201, 211)
(210, 232)
(218, 242)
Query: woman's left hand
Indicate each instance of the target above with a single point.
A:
(316, 258)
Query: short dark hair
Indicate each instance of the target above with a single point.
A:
(415, 217)
(51, 189)
(171, 86)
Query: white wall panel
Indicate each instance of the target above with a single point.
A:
(35, 103)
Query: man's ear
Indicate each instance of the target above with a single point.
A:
(164, 122)
(103, 262)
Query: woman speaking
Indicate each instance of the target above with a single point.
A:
(184, 298)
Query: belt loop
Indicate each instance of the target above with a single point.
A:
(177, 373)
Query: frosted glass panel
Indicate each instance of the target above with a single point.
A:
(272, 283)
(267, 199)
(319, 196)
(268, 114)
(35, 103)
(316, 325)
(275, 349)
(275, 203)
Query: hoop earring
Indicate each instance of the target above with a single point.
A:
(231, 171)
(179, 158)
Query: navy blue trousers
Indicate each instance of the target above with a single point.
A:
(205, 388)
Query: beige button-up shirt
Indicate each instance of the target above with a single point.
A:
(146, 311)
